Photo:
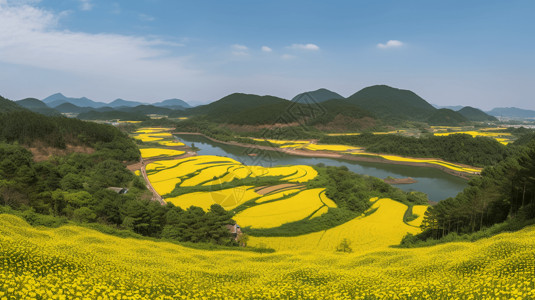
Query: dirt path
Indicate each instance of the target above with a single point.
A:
(142, 165)
(306, 153)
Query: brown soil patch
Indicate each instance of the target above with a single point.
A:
(133, 167)
(407, 180)
(41, 153)
(264, 190)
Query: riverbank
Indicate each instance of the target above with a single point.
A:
(371, 157)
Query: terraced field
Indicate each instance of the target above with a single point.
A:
(159, 152)
(382, 228)
(72, 262)
(209, 170)
(285, 207)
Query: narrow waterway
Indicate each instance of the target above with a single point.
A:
(437, 184)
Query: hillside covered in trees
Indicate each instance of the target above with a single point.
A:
(76, 186)
(502, 198)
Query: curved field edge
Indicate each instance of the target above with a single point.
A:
(75, 262)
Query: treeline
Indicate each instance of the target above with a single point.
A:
(76, 187)
(29, 128)
(504, 193)
(460, 148)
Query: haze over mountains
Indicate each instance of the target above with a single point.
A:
(58, 99)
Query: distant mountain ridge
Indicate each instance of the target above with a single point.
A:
(57, 99)
(512, 112)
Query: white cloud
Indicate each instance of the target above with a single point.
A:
(266, 49)
(146, 18)
(308, 47)
(240, 50)
(287, 56)
(390, 44)
(30, 37)
(86, 5)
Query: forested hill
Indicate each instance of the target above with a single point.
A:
(446, 117)
(8, 106)
(37, 106)
(230, 105)
(502, 198)
(388, 102)
(319, 95)
(28, 128)
(474, 114)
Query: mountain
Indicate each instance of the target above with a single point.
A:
(59, 98)
(392, 103)
(226, 107)
(9, 106)
(446, 117)
(37, 106)
(121, 102)
(341, 115)
(71, 108)
(320, 95)
(173, 103)
(474, 114)
(453, 107)
(512, 112)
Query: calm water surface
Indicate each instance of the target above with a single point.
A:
(436, 184)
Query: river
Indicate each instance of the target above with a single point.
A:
(437, 184)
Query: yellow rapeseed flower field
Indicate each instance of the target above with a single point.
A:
(72, 262)
(171, 143)
(156, 152)
(452, 166)
(382, 228)
(212, 170)
(273, 214)
(502, 137)
(227, 198)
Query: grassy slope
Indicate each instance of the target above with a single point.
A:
(78, 261)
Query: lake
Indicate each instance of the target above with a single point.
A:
(436, 184)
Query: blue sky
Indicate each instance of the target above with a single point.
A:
(479, 53)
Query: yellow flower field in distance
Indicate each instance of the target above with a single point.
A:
(383, 228)
(344, 134)
(316, 147)
(274, 214)
(72, 262)
(171, 143)
(227, 198)
(156, 152)
(502, 137)
(137, 172)
(130, 122)
(452, 166)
